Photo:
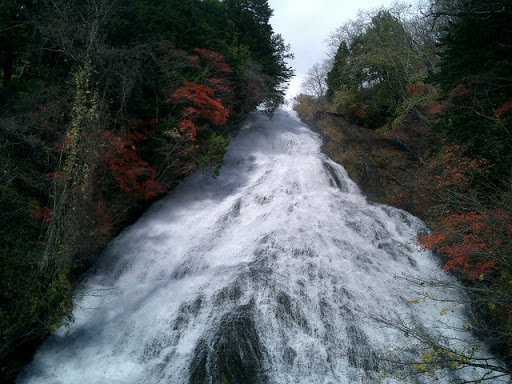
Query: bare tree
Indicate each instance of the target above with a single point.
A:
(346, 32)
(480, 301)
(315, 82)
(452, 351)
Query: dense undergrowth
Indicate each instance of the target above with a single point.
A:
(104, 106)
(440, 84)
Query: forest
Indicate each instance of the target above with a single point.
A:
(441, 79)
(105, 105)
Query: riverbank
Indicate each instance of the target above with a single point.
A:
(390, 168)
(386, 165)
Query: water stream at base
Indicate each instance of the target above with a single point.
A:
(266, 274)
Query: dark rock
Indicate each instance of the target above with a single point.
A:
(232, 354)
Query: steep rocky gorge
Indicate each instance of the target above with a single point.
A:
(386, 165)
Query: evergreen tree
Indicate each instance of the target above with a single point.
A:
(338, 77)
(127, 97)
(475, 76)
(374, 68)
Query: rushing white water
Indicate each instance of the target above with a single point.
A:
(263, 275)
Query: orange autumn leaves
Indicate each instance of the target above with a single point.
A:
(203, 103)
(117, 160)
(450, 168)
(209, 100)
(471, 238)
(204, 100)
(472, 241)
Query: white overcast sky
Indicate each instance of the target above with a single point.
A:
(306, 24)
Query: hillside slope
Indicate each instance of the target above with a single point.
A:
(384, 164)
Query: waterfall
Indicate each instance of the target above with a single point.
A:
(266, 274)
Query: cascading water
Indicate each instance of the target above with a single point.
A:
(263, 275)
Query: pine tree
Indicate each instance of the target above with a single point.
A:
(475, 75)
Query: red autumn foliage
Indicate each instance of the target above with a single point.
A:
(256, 88)
(103, 217)
(205, 104)
(132, 174)
(450, 168)
(465, 93)
(435, 108)
(219, 85)
(209, 100)
(504, 108)
(42, 214)
(59, 148)
(447, 175)
(470, 241)
(187, 125)
(51, 176)
(204, 101)
(468, 236)
(214, 61)
(64, 146)
(416, 90)
(459, 89)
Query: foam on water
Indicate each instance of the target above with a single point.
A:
(264, 275)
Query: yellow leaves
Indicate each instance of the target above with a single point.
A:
(428, 357)
(382, 377)
(425, 297)
(419, 367)
(435, 357)
(446, 310)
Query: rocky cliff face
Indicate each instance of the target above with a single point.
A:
(386, 165)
